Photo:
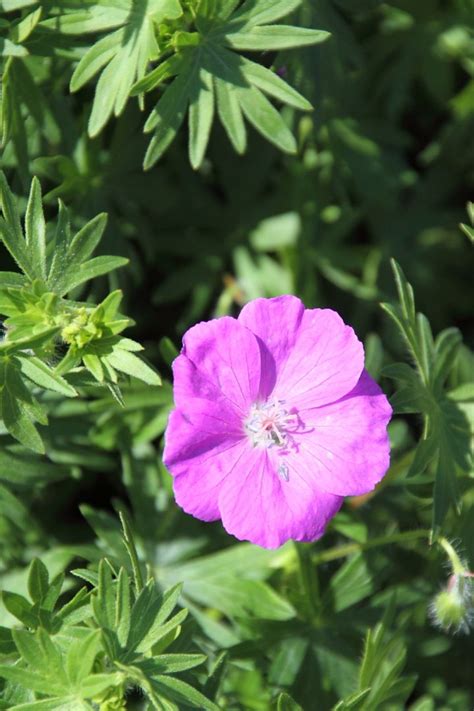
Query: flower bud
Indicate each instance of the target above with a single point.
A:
(453, 607)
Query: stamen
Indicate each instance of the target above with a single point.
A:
(283, 471)
(268, 424)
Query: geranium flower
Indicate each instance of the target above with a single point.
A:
(276, 421)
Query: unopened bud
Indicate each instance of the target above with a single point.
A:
(453, 607)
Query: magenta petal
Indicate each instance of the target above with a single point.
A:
(347, 451)
(316, 357)
(190, 382)
(325, 363)
(257, 505)
(226, 356)
(276, 322)
(202, 444)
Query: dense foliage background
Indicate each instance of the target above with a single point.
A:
(382, 168)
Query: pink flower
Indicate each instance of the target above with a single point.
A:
(276, 421)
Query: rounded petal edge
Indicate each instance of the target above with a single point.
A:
(348, 452)
(201, 445)
(226, 355)
(257, 506)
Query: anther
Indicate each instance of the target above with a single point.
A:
(283, 471)
(268, 424)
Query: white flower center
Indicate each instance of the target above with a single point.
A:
(268, 423)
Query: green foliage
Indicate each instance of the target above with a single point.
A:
(91, 649)
(445, 444)
(195, 44)
(465, 228)
(380, 679)
(39, 318)
(210, 75)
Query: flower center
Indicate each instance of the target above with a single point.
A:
(268, 424)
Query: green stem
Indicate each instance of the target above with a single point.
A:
(350, 548)
(458, 567)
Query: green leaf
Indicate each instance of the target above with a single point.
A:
(272, 84)
(77, 608)
(450, 429)
(10, 229)
(122, 57)
(61, 703)
(11, 280)
(447, 346)
(238, 597)
(469, 231)
(19, 607)
(286, 703)
(405, 292)
(126, 362)
(109, 307)
(424, 454)
(97, 57)
(130, 545)
(90, 270)
(10, 49)
(41, 374)
(230, 114)
(42, 654)
(126, 344)
(288, 661)
(17, 421)
(36, 340)
(23, 29)
(85, 241)
(148, 621)
(353, 701)
(166, 118)
(38, 580)
(7, 646)
(174, 663)
(94, 365)
(25, 469)
(31, 680)
(217, 9)
(277, 232)
(181, 692)
(424, 337)
(103, 603)
(35, 229)
(166, 70)
(53, 593)
(11, 5)
(259, 12)
(266, 119)
(158, 611)
(96, 684)
(274, 38)
(201, 113)
(352, 583)
(81, 657)
(123, 606)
